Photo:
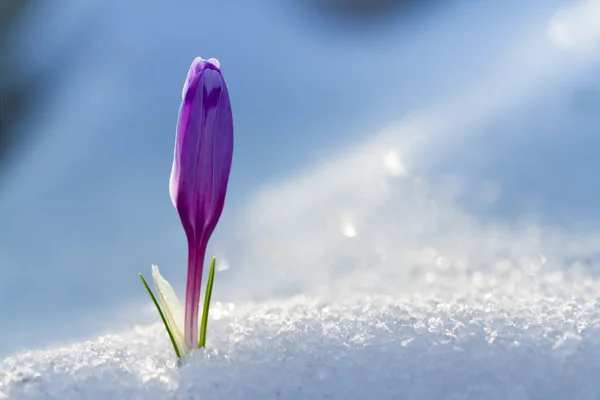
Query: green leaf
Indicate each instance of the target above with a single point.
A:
(209, 287)
(162, 316)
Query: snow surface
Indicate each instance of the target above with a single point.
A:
(535, 340)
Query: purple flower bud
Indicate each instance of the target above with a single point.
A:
(201, 166)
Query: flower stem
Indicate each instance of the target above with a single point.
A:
(162, 316)
(207, 296)
(196, 253)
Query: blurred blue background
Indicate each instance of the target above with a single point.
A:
(84, 202)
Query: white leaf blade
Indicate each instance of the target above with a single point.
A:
(172, 307)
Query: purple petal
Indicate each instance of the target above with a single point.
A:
(200, 174)
(197, 66)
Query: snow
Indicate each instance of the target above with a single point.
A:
(537, 340)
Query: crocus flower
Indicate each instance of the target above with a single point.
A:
(198, 185)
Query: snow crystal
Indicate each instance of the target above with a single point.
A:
(536, 341)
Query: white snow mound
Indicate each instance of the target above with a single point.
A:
(539, 340)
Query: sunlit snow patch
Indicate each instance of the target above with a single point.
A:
(477, 338)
